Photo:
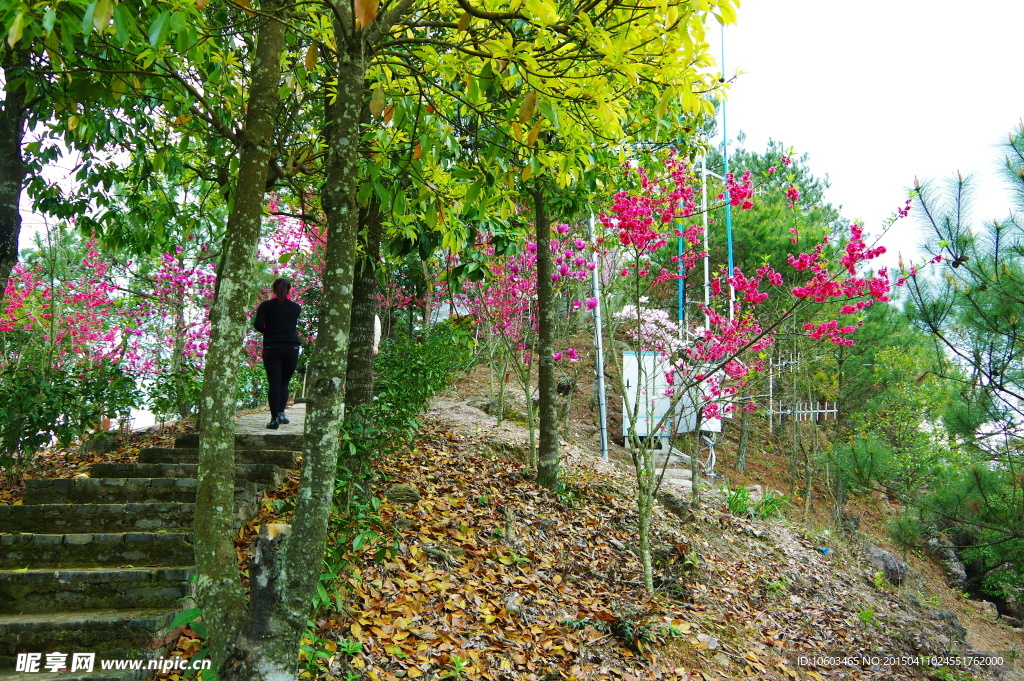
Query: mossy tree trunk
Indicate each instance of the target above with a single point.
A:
(218, 587)
(12, 167)
(547, 440)
(364, 311)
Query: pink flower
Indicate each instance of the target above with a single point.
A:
(591, 303)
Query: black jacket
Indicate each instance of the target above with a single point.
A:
(276, 321)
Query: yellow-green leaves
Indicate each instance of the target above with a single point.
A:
(16, 29)
(726, 12)
(544, 11)
(666, 99)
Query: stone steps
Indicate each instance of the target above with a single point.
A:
(20, 551)
(108, 633)
(97, 675)
(97, 518)
(679, 476)
(98, 588)
(102, 564)
(136, 490)
(264, 474)
(249, 441)
(282, 458)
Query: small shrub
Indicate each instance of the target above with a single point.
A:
(740, 504)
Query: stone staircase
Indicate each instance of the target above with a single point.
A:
(103, 564)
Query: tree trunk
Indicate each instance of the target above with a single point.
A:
(646, 513)
(364, 309)
(547, 441)
(359, 373)
(218, 587)
(181, 403)
(298, 567)
(741, 452)
(12, 167)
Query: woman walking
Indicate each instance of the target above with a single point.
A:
(276, 320)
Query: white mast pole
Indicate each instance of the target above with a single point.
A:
(602, 401)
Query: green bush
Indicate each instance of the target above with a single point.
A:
(55, 405)
(862, 459)
(740, 504)
(408, 375)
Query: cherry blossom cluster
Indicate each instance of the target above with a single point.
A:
(174, 311)
(711, 358)
(506, 299)
(650, 330)
(76, 314)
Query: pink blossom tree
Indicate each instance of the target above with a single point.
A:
(504, 301)
(701, 366)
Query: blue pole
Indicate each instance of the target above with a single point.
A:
(680, 281)
(725, 158)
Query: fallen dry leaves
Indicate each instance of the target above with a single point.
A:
(497, 579)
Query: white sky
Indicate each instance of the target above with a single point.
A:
(878, 93)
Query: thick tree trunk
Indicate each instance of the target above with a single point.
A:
(364, 311)
(297, 569)
(218, 587)
(12, 168)
(547, 445)
(359, 374)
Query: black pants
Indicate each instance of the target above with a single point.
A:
(280, 362)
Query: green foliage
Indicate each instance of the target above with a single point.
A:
(880, 581)
(175, 393)
(949, 674)
(739, 503)
(861, 460)
(408, 375)
(867, 616)
(458, 667)
(778, 587)
(53, 404)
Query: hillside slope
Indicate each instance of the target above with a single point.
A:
(497, 579)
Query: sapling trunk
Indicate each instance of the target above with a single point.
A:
(741, 451)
